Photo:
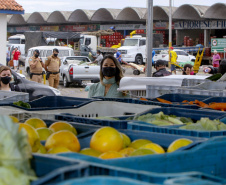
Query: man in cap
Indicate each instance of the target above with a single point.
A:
(52, 67)
(173, 59)
(36, 66)
(160, 66)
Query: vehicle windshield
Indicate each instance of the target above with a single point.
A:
(131, 42)
(14, 41)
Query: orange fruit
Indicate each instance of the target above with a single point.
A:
(44, 133)
(33, 136)
(57, 150)
(57, 126)
(157, 148)
(178, 144)
(127, 151)
(14, 119)
(42, 149)
(90, 151)
(142, 151)
(126, 140)
(63, 138)
(139, 143)
(36, 122)
(106, 139)
(111, 155)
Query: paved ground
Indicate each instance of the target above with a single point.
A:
(79, 91)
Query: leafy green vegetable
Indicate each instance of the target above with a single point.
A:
(22, 104)
(15, 153)
(205, 124)
(159, 119)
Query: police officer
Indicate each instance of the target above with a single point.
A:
(36, 66)
(52, 67)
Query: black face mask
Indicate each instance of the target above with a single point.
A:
(6, 79)
(55, 55)
(36, 55)
(109, 71)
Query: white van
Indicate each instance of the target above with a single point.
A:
(46, 51)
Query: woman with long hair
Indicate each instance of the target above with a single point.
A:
(110, 76)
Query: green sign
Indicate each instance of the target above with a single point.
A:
(218, 44)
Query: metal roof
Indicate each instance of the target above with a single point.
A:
(184, 12)
(216, 11)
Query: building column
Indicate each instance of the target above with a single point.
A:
(206, 37)
(3, 37)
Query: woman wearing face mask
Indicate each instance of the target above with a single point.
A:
(5, 78)
(110, 76)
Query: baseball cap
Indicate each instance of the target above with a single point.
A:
(171, 47)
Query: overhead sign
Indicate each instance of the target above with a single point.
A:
(201, 24)
(218, 44)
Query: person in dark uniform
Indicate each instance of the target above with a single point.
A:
(52, 67)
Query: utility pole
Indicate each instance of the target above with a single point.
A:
(149, 33)
(170, 28)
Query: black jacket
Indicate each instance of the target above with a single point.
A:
(161, 72)
(214, 70)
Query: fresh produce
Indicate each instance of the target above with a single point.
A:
(205, 124)
(57, 126)
(139, 143)
(63, 138)
(178, 144)
(157, 148)
(107, 139)
(91, 152)
(22, 104)
(36, 123)
(111, 155)
(14, 154)
(44, 133)
(58, 149)
(160, 119)
(163, 101)
(142, 151)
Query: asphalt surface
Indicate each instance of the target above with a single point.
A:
(79, 91)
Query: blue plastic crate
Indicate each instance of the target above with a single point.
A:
(189, 181)
(215, 99)
(118, 124)
(142, 126)
(190, 113)
(149, 102)
(178, 98)
(101, 180)
(56, 102)
(52, 169)
(208, 157)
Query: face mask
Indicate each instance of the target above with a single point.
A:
(36, 55)
(55, 55)
(109, 81)
(109, 71)
(5, 80)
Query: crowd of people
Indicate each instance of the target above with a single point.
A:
(110, 71)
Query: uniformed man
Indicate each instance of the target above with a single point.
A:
(52, 67)
(36, 66)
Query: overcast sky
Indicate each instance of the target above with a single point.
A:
(71, 5)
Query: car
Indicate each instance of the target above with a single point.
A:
(183, 57)
(35, 90)
(75, 69)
